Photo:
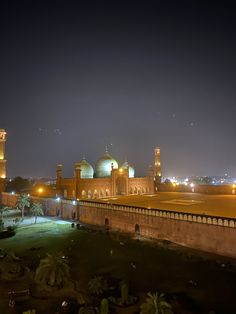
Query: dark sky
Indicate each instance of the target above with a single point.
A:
(77, 76)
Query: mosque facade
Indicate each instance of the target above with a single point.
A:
(108, 179)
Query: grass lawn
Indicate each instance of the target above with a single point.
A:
(158, 267)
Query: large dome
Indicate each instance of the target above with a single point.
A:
(131, 169)
(86, 169)
(103, 166)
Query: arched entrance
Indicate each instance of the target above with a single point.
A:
(121, 186)
(107, 223)
(137, 229)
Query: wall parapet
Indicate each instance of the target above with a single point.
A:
(170, 214)
(10, 200)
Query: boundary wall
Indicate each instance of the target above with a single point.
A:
(203, 232)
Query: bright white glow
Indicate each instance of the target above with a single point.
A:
(74, 202)
(192, 185)
(58, 199)
(12, 193)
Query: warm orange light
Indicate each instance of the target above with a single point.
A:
(234, 186)
(40, 190)
(121, 170)
(174, 184)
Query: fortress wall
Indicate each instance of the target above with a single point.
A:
(215, 238)
(52, 207)
(205, 189)
(207, 233)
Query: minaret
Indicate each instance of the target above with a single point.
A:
(157, 165)
(2, 154)
(59, 176)
(77, 174)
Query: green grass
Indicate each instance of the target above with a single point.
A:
(158, 268)
(50, 235)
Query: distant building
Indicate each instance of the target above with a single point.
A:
(108, 179)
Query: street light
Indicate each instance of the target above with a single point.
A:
(192, 186)
(233, 190)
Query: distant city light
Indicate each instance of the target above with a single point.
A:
(58, 199)
(40, 190)
(12, 193)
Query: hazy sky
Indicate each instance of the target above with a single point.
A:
(77, 76)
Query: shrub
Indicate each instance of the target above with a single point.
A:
(124, 293)
(97, 285)
(104, 307)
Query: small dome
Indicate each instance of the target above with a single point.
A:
(131, 169)
(103, 166)
(86, 169)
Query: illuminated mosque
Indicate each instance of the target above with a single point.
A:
(108, 179)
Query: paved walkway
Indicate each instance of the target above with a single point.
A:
(30, 220)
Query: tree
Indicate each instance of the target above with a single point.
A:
(53, 271)
(167, 181)
(22, 202)
(155, 304)
(18, 185)
(97, 285)
(37, 210)
(3, 209)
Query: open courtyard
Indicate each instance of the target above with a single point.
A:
(215, 205)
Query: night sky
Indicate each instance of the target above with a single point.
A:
(77, 76)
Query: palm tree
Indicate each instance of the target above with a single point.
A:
(3, 209)
(22, 202)
(155, 304)
(53, 271)
(37, 210)
(97, 285)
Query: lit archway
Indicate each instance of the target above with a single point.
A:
(106, 222)
(121, 186)
(137, 229)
